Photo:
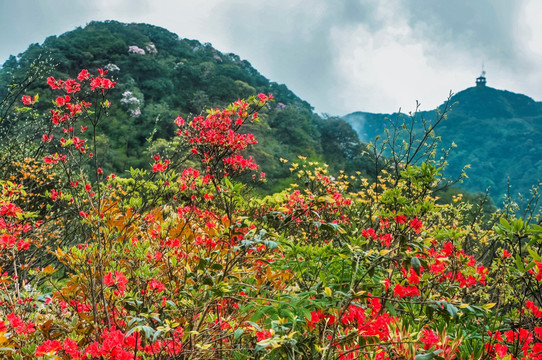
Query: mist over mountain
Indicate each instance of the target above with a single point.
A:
(497, 133)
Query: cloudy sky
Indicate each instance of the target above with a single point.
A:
(340, 55)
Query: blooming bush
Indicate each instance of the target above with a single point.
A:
(183, 261)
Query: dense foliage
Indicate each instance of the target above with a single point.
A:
(496, 132)
(181, 261)
(160, 75)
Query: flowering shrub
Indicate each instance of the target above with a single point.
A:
(182, 261)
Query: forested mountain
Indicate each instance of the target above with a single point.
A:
(497, 133)
(161, 76)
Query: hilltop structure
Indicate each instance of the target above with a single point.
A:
(481, 80)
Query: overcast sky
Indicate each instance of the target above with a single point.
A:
(339, 55)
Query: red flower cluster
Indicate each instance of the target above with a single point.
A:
(405, 291)
(117, 280)
(263, 335)
(429, 338)
(29, 100)
(264, 98)
(416, 224)
(369, 323)
(114, 345)
(520, 340)
(466, 273)
(319, 316)
(238, 163)
(19, 325)
(54, 158)
(49, 348)
(171, 346)
(537, 270)
(12, 231)
(72, 86)
(155, 285)
(68, 109)
(216, 137)
(160, 166)
(386, 237)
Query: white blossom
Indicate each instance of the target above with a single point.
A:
(136, 50)
(135, 112)
(129, 98)
(151, 48)
(112, 67)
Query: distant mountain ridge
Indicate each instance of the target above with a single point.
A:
(497, 132)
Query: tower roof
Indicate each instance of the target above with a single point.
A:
(481, 80)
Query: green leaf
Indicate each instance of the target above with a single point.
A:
(149, 331)
(237, 333)
(452, 310)
(228, 183)
(519, 263)
(217, 266)
(488, 306)
(534, 229)
(131, 306)
(271, 245)
(428, 356)
(390, 308)
(156, 335)
(535, 255)
(172, 304)
(207, 281)
(505, 223)
(530, 265)
(424, 356)
(416, 264)
(202, 265)
(518, 225)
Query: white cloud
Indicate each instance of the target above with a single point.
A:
(389, 69)
(340, 56)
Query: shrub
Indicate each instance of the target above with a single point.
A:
(183, 261)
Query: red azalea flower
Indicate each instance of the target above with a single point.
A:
(72, 86)
(429, 338)
(28, 100)
(400, 219)
(416, 224)
(118, 280)
(83, 75)
(55, 84)
(71, 348)
(264, 334)
(156, 285)
(49, 347)
(405, 291)
(501, 350)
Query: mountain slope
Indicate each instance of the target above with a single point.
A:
(497, 133)
(161, 76)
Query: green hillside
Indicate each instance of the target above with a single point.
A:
(497, 133)
(161, 76)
